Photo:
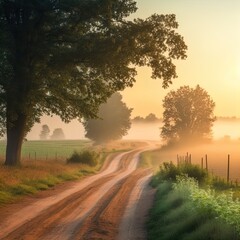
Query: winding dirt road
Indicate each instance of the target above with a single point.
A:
(112, 204)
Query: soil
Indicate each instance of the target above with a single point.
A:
(112, 204)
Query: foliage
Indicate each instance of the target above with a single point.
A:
(85, 156)
(58, 134)
(45, 132)
(67, 57)
(188, 115)
(113, 123)
(168, 171)
(174, 217)
(206, 200)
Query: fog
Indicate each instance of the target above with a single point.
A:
(139, 131)
(225, 133)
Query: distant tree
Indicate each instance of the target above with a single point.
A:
(151, 118)
(45, 132)
(138, 119)
(113, 123)
(67, 57)
(58, 134)
(188, 115)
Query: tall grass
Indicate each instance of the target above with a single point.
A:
(34, 176)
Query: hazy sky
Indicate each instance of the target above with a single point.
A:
(211, 30)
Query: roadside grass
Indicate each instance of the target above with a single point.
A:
(173, 217)
(33, 176)
(150, 159)
(37, 175)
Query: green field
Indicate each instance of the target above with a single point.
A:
(48, 150)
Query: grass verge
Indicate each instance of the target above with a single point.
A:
(33, 176)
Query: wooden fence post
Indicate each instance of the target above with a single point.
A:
(202, 162)
(228, 168)
(206, 160)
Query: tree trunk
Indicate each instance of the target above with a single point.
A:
(15, 136)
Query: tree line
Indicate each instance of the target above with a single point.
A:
(57, 134)
(188, 117)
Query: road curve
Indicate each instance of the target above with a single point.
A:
(91, 209)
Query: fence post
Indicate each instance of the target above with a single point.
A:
(190, 158)
(228, 168)
(202, 162)
(206, 159)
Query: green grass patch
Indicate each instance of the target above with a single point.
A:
(48, 150)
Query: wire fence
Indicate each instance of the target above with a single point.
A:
(47, 150)
(228, 169)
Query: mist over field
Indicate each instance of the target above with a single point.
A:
(140, 131)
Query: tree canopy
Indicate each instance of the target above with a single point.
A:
(113, 123)
(67, 57)
(188, 115)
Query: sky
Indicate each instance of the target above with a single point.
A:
(211, 30)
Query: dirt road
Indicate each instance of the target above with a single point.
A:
(110, 205)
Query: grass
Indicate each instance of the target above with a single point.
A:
(48, 150)
(41, 174)
(150, 159)
(173, 217)
(185, 211)
(33, 176)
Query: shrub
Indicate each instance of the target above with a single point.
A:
(222, 206)
(169, 171)
(85, 156)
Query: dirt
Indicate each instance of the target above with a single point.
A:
(102, 206)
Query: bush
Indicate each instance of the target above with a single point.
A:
(168, 171)
(86, 157)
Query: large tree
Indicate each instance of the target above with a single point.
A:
(188, 115)
(113, 123)
(66, 57)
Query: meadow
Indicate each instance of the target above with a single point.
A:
(48, 150)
